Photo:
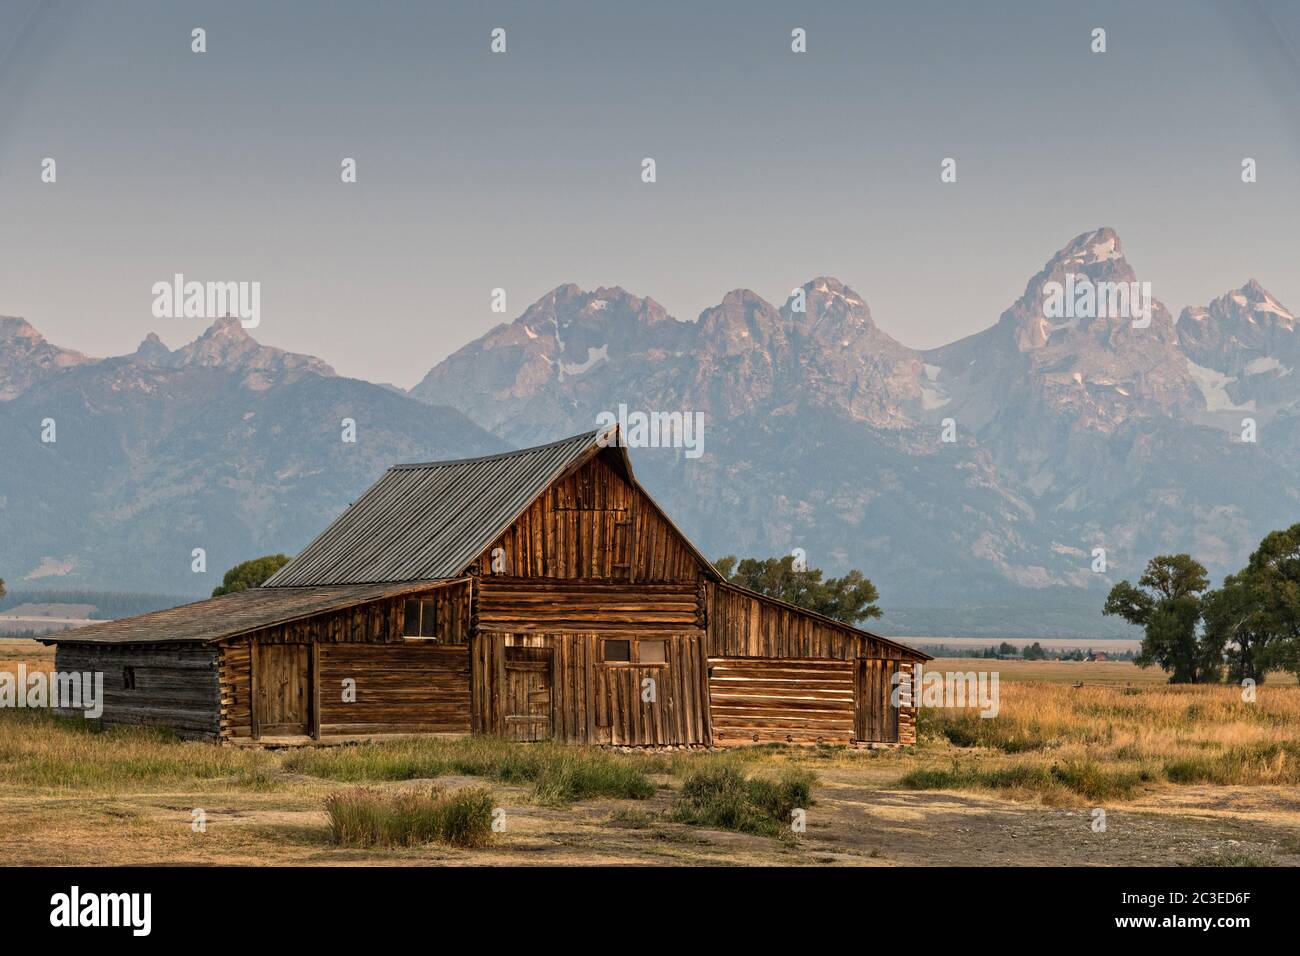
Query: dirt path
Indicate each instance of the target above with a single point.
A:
(858, 819)
(976, 829)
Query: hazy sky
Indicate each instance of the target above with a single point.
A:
(522, 170)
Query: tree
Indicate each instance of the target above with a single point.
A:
(849, 599)
(1034, 652)
(2, 589)
(1166, 603)
(250, 574)
(1272, 577)
(1236, 619)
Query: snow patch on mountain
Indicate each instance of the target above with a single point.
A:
(1214, 389)
(593, 356)
(1261, 365)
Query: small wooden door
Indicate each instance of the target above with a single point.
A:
(282, 701)
(875, 717)
(528, 693)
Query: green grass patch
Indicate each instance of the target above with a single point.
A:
(722, 796)
(1086, 778)
(364, 817)
(963, 728)
(1261, 763)
(558, 774)
(39, 749)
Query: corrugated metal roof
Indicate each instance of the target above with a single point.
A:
(428, 521)
(229, 615)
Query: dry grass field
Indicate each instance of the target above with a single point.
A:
(1185, 775)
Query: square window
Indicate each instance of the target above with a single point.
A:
(616, 651)
(652, 652)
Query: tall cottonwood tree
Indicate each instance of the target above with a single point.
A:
(1166, 603)
(1272, 576)
(1235, 620)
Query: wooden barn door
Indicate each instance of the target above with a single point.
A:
(875, 718)
(282, 691)
(528, 693)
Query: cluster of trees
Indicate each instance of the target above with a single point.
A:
(250, 574)
(850, 599)
(1241, 630)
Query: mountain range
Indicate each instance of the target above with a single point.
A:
(822, 432)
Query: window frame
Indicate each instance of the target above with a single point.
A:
(634, 652)
(422, 605)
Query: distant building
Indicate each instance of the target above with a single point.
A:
(1097, 656)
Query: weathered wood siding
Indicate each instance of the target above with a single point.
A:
(742, 624)
(592, 524)
(756, 700)
(597, 702)
(517, 605)
(404, 685)
(878, 720)
(405, 689)
(175, 685)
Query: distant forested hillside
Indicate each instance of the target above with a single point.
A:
(108, 604)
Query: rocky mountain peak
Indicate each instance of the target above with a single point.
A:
(152, 351)
(742, 321)
(227, 344)
(14, 328)
(26, 356)
(1091, 248)
(833, 314)
(1245, 347)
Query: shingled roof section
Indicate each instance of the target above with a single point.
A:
(230, 614)
(429, 521)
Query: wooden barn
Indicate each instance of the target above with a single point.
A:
(537, 594)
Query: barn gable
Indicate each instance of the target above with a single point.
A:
(430, 521)
(595, 522)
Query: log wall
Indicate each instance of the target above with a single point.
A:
(755, 700)
(406, 689)
(592, 524)
(742, 624)
(542, 605)
(175, 685)
(403, 685)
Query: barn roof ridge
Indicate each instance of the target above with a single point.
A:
(416, 465)
(429, 520)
